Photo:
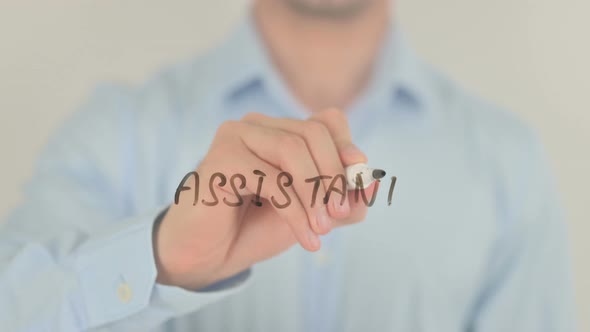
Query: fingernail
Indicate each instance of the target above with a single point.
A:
(324, 222)
(314, 239)
(343, 208)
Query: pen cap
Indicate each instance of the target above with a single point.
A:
(365, 172)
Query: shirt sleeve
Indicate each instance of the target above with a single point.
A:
(74, 256)
(527, 286)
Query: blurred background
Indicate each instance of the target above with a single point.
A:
(528, 56)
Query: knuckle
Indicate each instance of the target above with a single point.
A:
(252, 116)
(315, 130)
(229, 126)
(292, 148)
(292, 143)
(335, 115)
(333, 118)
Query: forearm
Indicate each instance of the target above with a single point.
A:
(107, 279)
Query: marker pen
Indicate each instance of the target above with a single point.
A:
(368, 175)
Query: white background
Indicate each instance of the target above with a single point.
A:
(529, 56)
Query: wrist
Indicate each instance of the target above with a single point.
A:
(174, 267)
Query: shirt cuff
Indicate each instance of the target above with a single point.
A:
(179, 301)
(117, 273)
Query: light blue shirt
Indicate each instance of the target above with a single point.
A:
(473, 239)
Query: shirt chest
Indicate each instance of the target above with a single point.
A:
(413, 265)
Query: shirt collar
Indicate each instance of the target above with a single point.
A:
(245, 59)
(399, 75)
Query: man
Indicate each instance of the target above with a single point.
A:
(471, 242)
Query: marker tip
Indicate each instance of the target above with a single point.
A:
(378, 174)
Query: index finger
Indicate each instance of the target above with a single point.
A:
(337, 123)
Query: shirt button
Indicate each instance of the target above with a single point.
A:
(124, 293)
(322, 258)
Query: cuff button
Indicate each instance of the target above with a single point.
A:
(124, 293)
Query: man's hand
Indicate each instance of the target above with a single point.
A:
(197, 245)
